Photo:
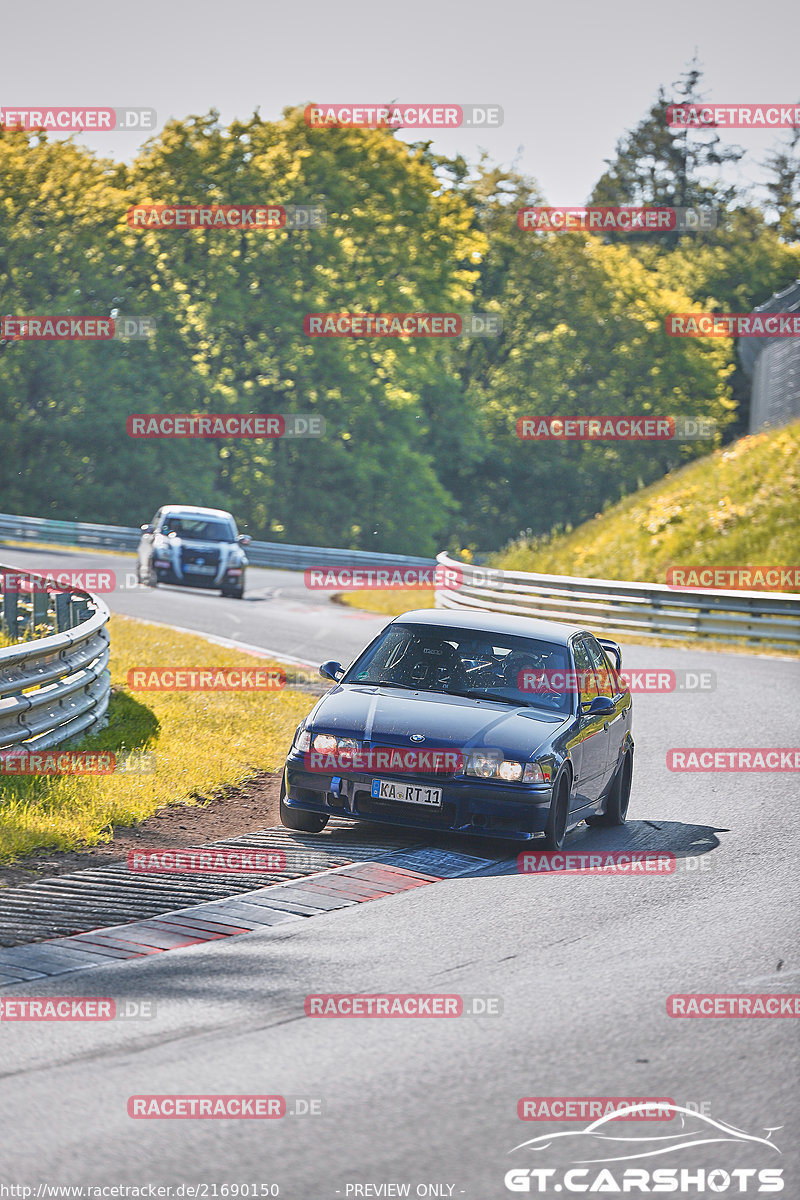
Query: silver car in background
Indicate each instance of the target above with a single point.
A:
(193, 547)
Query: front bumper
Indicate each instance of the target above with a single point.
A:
(468, 805)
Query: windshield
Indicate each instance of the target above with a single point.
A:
(466, 662)
(198, 529)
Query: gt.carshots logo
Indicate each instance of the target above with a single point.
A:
(410, 116)
(601, 1149)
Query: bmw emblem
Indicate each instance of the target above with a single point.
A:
(200, 562)
(418, 737)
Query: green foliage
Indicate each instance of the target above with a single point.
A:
(421, 449)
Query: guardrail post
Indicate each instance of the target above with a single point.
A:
(10, 614)
(39, 611)
(80, 611)
(62, 612)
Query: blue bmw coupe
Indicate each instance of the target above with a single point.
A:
(468, 722)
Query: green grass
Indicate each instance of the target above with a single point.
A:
(740, 505)
(389, 603)
(204, 742)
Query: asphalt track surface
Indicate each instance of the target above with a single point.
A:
(582, 966)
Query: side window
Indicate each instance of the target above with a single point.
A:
(606, 675)
(587, 682)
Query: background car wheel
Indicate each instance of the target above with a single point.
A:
(233, 593)
(556, 829)
(617, 803)
(152, 577)
(296, 818)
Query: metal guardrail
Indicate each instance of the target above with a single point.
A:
(259, 554)
(641, 608)
(55, 687)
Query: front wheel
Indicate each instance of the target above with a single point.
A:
(298, 818)
(619, 798)
(556, 828)
(236, 593)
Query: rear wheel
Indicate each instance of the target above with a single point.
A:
(297, 818)
(235, 593)
(619, 797)
(556, 828)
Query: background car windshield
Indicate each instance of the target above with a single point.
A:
(199, 529)
(431, 658)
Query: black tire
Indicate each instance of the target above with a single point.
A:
(556, 828)
(233, 593)
(152, 577)
(298, 818)
(619, 797)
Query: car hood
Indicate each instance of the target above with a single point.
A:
(385, 718)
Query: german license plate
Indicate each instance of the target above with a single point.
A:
(196, 569)
(406, 793)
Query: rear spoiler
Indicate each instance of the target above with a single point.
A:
(613, 649)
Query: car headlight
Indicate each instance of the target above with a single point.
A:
(325, 743)
(537, 773)
(487, 764)
(302, 741)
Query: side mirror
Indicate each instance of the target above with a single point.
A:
(331, 670)
(601, 706)
(146, 528)
(244, 539)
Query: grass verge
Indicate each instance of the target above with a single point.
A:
(388, 603)
(204, 743)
